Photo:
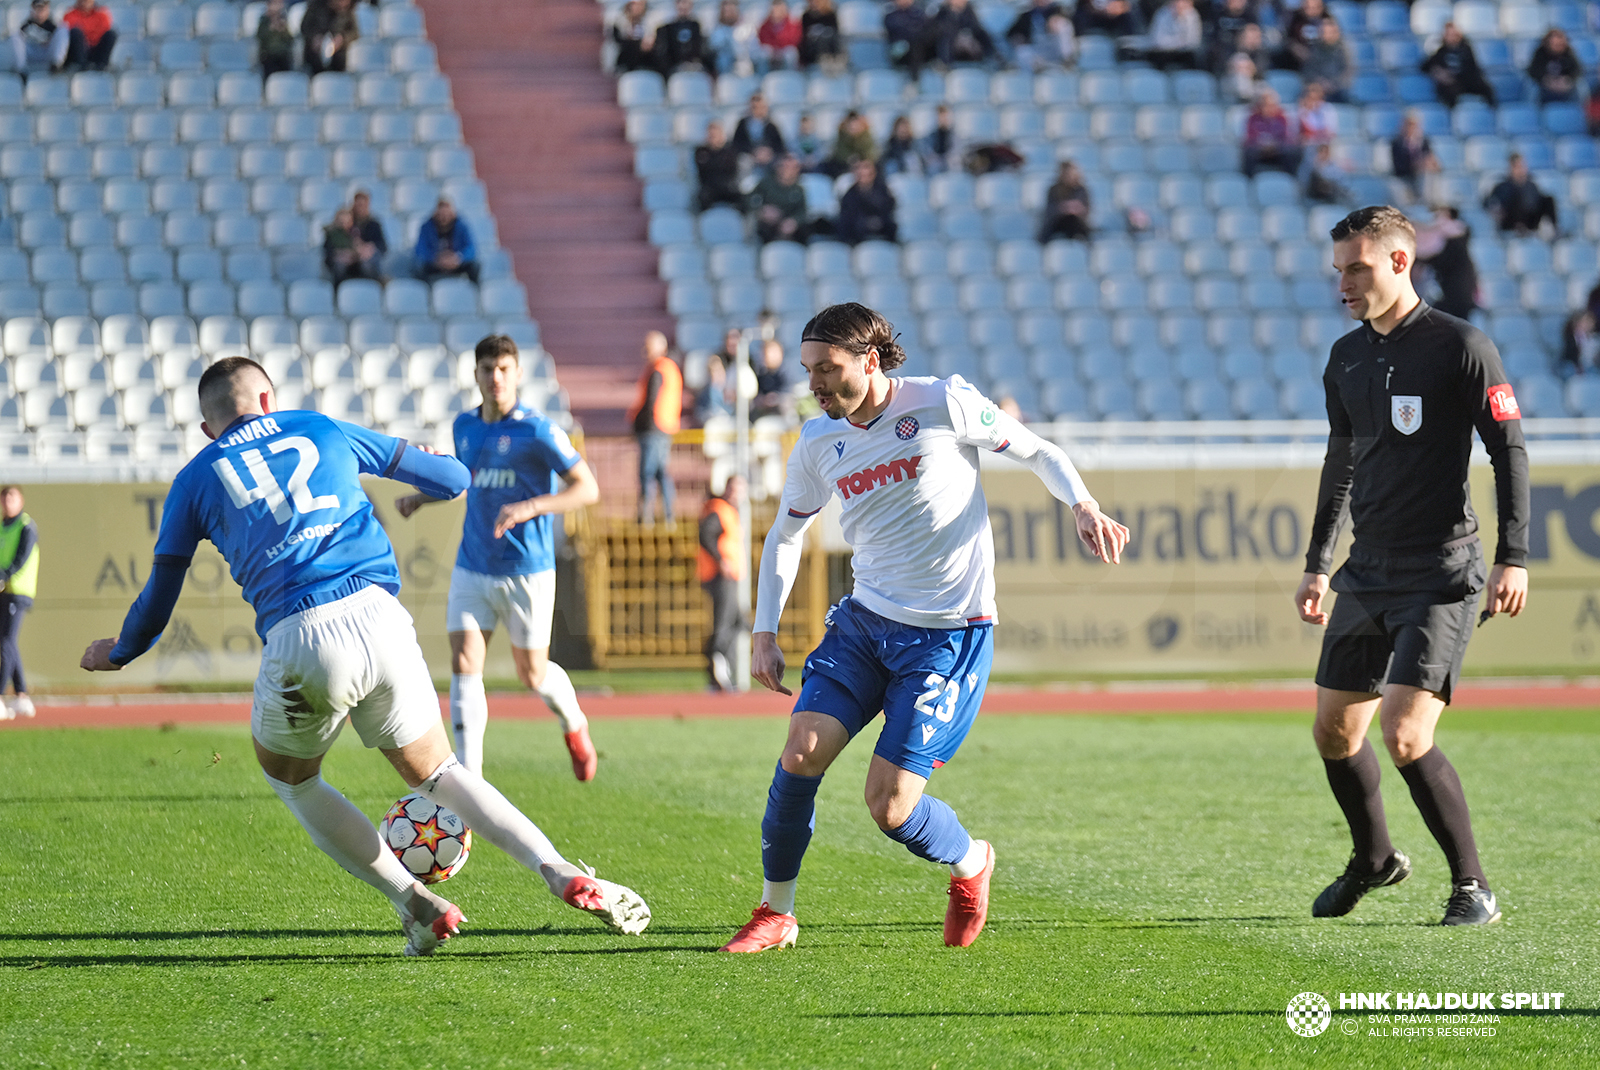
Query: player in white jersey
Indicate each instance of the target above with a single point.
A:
(914, 640)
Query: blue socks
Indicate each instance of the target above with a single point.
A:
(933, 832)
(788, 823)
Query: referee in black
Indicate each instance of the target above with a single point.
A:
(1405, 391)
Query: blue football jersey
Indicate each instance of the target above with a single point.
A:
(280, 497)
(521, 456)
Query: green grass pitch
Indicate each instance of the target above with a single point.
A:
(1150, 908)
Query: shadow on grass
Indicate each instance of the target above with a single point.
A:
(53, 800)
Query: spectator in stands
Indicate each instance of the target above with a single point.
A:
(274, 40)
(866, 211)
(853, 143)
(1454, 69)
(1269, 138)
(809, 149)
(1324, 177)
(903, 27)
(820, 42)
(729, 353)
(779, 204)
(1517, 204)
(39, 42)
(1303, 31)
(729, 42)
(1555, 69)
(715, 398)
(1411, 155)
(1591, 109)
(445, 247)
(955, 35)
(634, 38)
(778, 40)
(91, 37)
(339, 253)
(757, 136)
(716, 166)
(1319, 123)
(1225, 25)
(1042, 36)
(1108, 18)
(329, 27)
(656, 417)
(1580, 345)
(941, 151)
(681, 43)
(1330, 63)
(369, 233)
(1247, 65)
(1175, 36)
(774, 385)
(1443, 248)
(1066, 206)
(900, 152)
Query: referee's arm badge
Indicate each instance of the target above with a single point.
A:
(1406, 412)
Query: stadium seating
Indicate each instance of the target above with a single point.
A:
(169, 211)
(1230, 265)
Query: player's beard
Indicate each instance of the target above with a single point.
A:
(846, 399)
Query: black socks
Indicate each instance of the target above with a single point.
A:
(1354, 781)
(1436, 789)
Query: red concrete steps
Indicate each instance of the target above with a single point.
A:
(544, 125)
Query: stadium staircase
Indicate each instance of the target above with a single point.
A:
(548, 132)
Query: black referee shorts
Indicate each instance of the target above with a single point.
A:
(1402, 620)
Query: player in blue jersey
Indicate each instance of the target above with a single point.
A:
(279, 494)
(524, 474)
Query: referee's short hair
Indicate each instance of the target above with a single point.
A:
(1385, 225)
(495, 346)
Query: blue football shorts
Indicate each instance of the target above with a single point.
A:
(928, 682)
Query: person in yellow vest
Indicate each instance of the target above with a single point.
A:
(19, 582)
(655, 416)
(721, 568)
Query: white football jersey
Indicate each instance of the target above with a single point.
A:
(913, 510)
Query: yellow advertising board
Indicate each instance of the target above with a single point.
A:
(97, 540)
(1207, 582)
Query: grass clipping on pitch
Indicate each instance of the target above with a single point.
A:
(1151, 907)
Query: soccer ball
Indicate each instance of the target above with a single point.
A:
(429, 840)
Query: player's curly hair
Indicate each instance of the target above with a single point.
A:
(855, 328)
(1384, 224)
(495, 346)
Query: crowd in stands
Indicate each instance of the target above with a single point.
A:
(82, 40)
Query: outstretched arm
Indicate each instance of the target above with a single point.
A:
(1056, 471)
(146, 619)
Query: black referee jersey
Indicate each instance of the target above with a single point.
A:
(1401, 409)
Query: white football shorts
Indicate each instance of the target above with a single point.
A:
(357, 657)
(524, 602)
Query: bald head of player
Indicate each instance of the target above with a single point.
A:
(1373, 249)
(845, 350)
(231, 388)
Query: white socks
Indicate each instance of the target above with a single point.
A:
(469, 716)
(469, 710)
(558, 693)
(490, 814)
(779, 895)
(972, 862)
(346, 835)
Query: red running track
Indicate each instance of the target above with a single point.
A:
(124, 711)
